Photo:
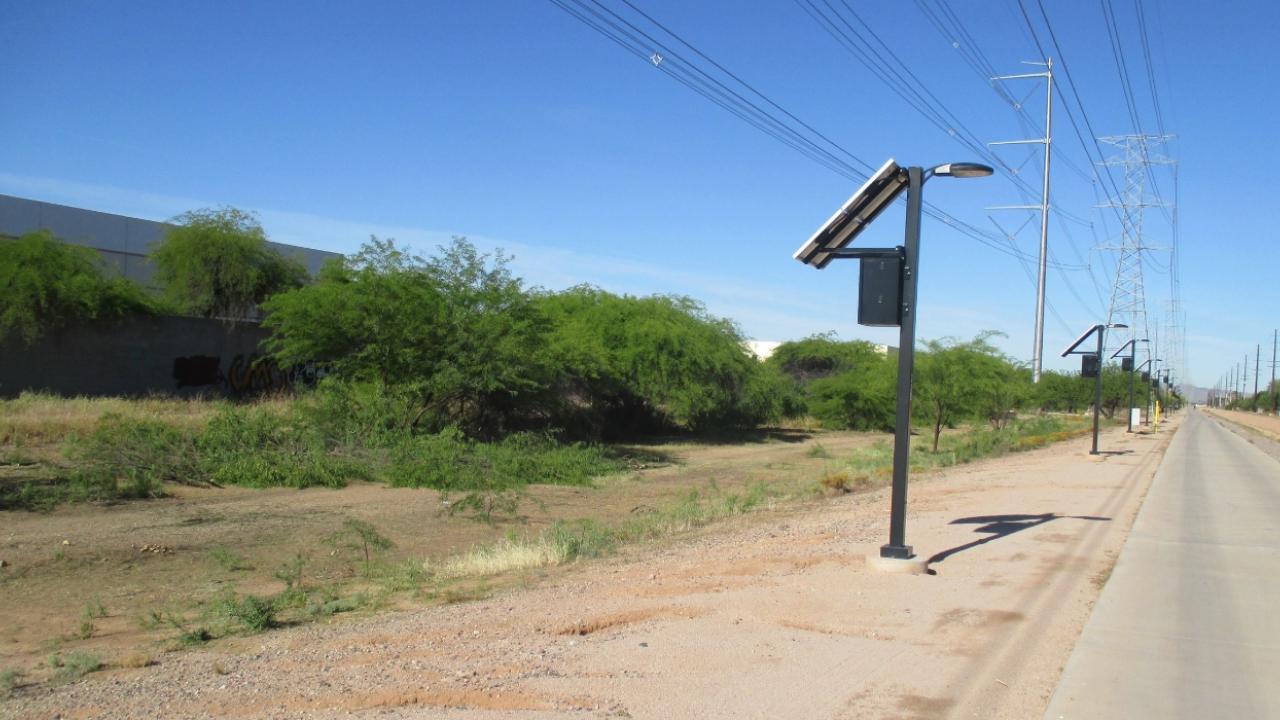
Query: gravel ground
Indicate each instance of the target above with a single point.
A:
(771, 615)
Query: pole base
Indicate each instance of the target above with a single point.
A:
(900, 566)
(898, 552)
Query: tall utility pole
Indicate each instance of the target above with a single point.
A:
(1244, 378)
(1257, 360)
(1275, 335)
(1037, 343)
(1128, 294)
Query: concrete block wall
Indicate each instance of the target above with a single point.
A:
(143, 356)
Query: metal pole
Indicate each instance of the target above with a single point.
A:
(1153, 392)
(1097, 393)
(1038, 351)
(1244, 378)
(898, 547)
(1275, 335)
(1133, 347)
(1257, 360)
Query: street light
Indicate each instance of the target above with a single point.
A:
(1101, 330)
(829, 242)
(1146, 362)
(1133, 346)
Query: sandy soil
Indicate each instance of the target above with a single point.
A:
(1268, 425)
(770, 616)
(138, 557)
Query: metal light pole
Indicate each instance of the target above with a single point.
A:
(1132, 345)
(1097, 393)
(1100, 329)
(830, 242)
(1145, 363)
(897, 547)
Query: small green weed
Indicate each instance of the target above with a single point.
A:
(73, 666)
(151, 620)
(817, 451)
(194, 637)
(361, 539)
(229, 560)
(250, 613)
(9, 680)
(94, 609)
(86, 630)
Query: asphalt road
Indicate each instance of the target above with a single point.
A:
(1188, 625)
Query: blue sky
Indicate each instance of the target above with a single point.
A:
(514, 124)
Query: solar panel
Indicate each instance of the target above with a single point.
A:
(840, 229)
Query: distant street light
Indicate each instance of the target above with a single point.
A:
(887, 296)
(1133, 346)
(1146, 362)
(1093, 361)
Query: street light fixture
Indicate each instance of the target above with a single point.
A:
(1133, 346)
(1096, 360)
(887, 297)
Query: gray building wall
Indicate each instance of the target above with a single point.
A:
(123, 242)
(143, 356)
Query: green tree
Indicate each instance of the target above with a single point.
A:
(957, 379)
(637, 363)
(846, 384)
(457, 333)
(216, 263)
(1115, 389)
(1066, 392)
(860, 398)
(820, 356)
(46, 284)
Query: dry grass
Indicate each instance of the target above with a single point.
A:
(504, 556)
(36, 419)
(135, 660)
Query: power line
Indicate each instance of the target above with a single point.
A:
(1084, 113)
(827, 153)
(878, 57)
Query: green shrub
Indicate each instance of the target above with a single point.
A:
(127, 457)
(9, 680)
(638, 364)
(46, 284)
(450, 461)
(261, 447)
(73, 666)
(457, 333)
(216, 263)
(361, 539)
(249, 613)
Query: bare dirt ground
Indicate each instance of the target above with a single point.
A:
(1267, 425)
(772, 615)
(139, 557)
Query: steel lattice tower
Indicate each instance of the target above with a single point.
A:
(1128, 295)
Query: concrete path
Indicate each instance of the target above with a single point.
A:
(1188, 625)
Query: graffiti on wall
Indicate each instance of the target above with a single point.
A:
(251, 374)
(197, 371)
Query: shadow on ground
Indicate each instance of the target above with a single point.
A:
(999, 526)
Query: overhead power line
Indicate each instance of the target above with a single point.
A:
(763, 113)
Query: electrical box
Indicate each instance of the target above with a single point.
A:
(1146, 377)
(1126, 364)
(1088, 366)
(880, 292)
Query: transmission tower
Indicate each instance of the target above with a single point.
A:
(1128, 295)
